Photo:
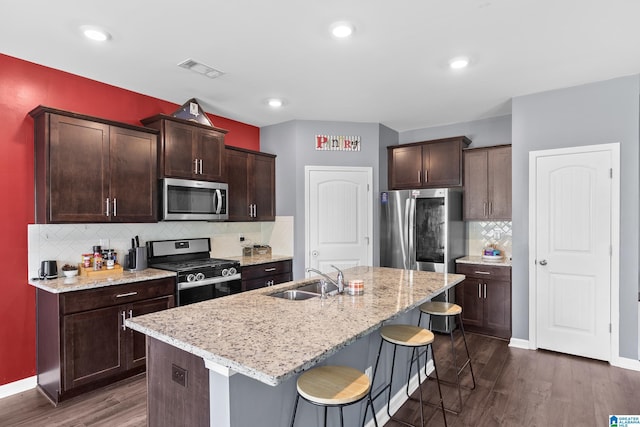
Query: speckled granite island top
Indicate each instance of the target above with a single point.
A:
(271, 339)
(79, 283)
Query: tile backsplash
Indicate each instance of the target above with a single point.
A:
(66, 243)
(481, 234)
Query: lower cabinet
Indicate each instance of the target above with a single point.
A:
(82, 342)
(269, 274)
(485, 298)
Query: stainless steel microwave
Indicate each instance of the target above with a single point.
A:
(190, 200)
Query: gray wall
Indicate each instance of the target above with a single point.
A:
(596, 113)
(294, 144)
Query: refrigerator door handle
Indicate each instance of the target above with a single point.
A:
(412, 228)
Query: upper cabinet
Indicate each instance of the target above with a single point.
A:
(487, 183)
(427, 164)
(89, 169)
(189, 150)
(252, 185)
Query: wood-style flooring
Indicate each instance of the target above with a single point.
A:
(514, 388)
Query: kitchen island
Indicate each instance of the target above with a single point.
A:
(269, 341)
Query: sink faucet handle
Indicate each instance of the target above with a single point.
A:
(323, 289)
(340, 279)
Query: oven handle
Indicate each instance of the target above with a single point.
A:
(210, 281)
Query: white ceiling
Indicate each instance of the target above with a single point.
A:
(393, 71)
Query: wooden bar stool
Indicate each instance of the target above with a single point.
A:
(333, 386)
(438, 308)
(415, 338)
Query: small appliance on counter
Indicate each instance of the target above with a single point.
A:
(255, 250)
(48, 270)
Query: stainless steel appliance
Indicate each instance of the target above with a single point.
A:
(423, 230)
(190, 200)
(199, 277)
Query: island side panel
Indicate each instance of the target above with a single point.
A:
(177, 385)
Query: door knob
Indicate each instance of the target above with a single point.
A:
(314, 254)
(543, 262)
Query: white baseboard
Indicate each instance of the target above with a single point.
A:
(519, 343)
(623, 362)
(399, 398)
(18, 386)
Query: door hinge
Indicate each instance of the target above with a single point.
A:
(609, 327)
(368, 189)
(610, 172)
(610, 250)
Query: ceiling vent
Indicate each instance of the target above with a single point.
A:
(200, 68)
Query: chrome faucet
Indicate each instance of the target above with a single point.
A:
(339, 282)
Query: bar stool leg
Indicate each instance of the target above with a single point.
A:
(464, 338)
(295, 408)
(444, 415)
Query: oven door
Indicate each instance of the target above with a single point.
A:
(190, 200)
(198, 293)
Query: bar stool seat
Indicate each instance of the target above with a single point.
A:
(413, 337)
(440, 308)
(333, 386)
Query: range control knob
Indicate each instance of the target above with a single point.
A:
(225, 272)
(232, 271)
(191, 277)
(200, 276)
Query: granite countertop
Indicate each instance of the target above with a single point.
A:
(78, 283)
(272, 339)
(506, 261)
(246, 261)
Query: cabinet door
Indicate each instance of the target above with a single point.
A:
(179, 150)
(442, 164)
(238, 180)
(498, 308)
(137, 349)
(471, 300)
(78, 170)
(92, 343)
(133, 157)
(475, 185)
(405, 167)
(210, 150)
(499, 182)
(264, 187)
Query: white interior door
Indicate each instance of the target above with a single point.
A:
(573, 246)
(338, 218)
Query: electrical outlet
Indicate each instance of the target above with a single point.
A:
(179, 375)
(369, 372)
(241, 236)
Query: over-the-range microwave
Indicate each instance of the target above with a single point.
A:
(191, 200)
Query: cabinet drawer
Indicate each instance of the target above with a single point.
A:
(90, 299)
(261, 282)
(268, 269)
(484, 271)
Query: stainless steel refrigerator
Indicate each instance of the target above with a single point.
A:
(423, 230)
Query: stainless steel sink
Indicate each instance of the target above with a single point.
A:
(294, 294)
(306, 291)
(316, 288)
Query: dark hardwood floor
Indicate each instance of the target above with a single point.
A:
(514, 388)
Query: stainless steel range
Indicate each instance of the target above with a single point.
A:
(199, 277)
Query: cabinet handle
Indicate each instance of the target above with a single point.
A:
(124, 328)
(485, 291)
(250, 211)
(195, 166)
(479, 290)
(482, 272)
(490, 208)
(201, 170)
(484, 209)
(426, 175)
(115, 207)
(128, 294)
(107, 203)
(270, 269)
(130, 313)
(419, 176)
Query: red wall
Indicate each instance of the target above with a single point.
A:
(23, 86)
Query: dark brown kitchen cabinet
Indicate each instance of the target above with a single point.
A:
(268, 274)
(82, 342)
(252, 185)
(189, 150)
(427, 164)
(485, 298)
(93, 170)
(487, 183)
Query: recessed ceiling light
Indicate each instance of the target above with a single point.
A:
(459, 62)
(275, 102)
(95, 33)
(342, 30)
